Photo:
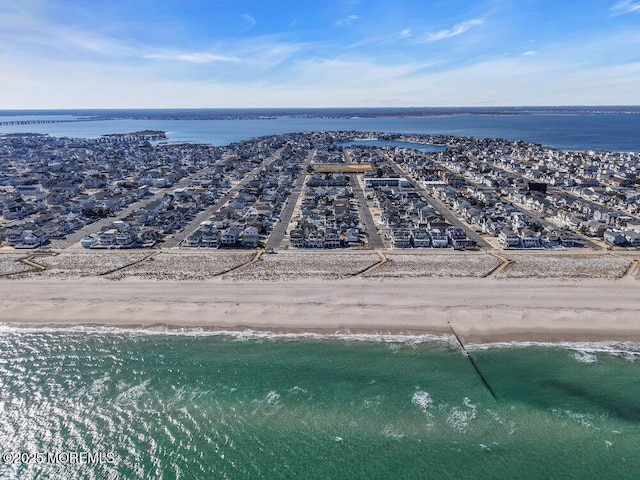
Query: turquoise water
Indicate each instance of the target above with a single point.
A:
(267, 406)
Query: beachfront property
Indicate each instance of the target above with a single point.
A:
(327, 215)
(525, 195)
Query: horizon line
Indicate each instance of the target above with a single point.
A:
(467, 107)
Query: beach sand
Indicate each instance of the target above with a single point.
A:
(480, 309)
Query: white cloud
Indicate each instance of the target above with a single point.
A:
(347, 20)
(40, 40)
(54, 66)
(324, 83)
(381, 40)
(625, 6)
(248, 20)
(194, 57)
(454, 31)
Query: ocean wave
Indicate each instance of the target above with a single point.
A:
(460, 419)
(239, 335)
(422, 400)
(585, 357)
(627, 350)
(273, 398)
(585, 419)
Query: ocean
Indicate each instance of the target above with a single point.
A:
(105, 403)
(258, 405)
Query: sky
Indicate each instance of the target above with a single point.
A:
(317, 53)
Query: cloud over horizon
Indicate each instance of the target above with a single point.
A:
(64, 54)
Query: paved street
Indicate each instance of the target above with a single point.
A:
(280, 228)
(98, 225)
(178, 237)
(373, 235)
(440, 206)
(537, 217)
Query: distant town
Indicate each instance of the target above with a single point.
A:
(319, 190)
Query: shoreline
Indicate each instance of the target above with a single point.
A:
(577, 340)
(482, 311)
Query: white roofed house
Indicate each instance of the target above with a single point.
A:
(107, 238)
(88, 241)
(595, 228)
(352, 235)
(250, 237)
(121, 225)
(32, 239)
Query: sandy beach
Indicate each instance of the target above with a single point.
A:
(480, 309)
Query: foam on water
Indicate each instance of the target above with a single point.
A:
(273, 398)
(627, 350)
(296, 390)
(239, 335)
(460, 418)
(215, 405)
(389, 432)
(422, 400)
(585, 357)
(585, 419)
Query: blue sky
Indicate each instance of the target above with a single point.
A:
(317, 53)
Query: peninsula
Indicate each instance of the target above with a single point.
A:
(320, 232)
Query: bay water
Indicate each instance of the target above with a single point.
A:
(573, 129)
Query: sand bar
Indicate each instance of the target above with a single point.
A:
(481, 309)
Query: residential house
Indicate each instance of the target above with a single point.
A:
(250, 237)
(420, 238)
(439, 238)
(508, 238)
(529, 239)
(230, 236)
(32, 239)
(614, 237)
(401, 238)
